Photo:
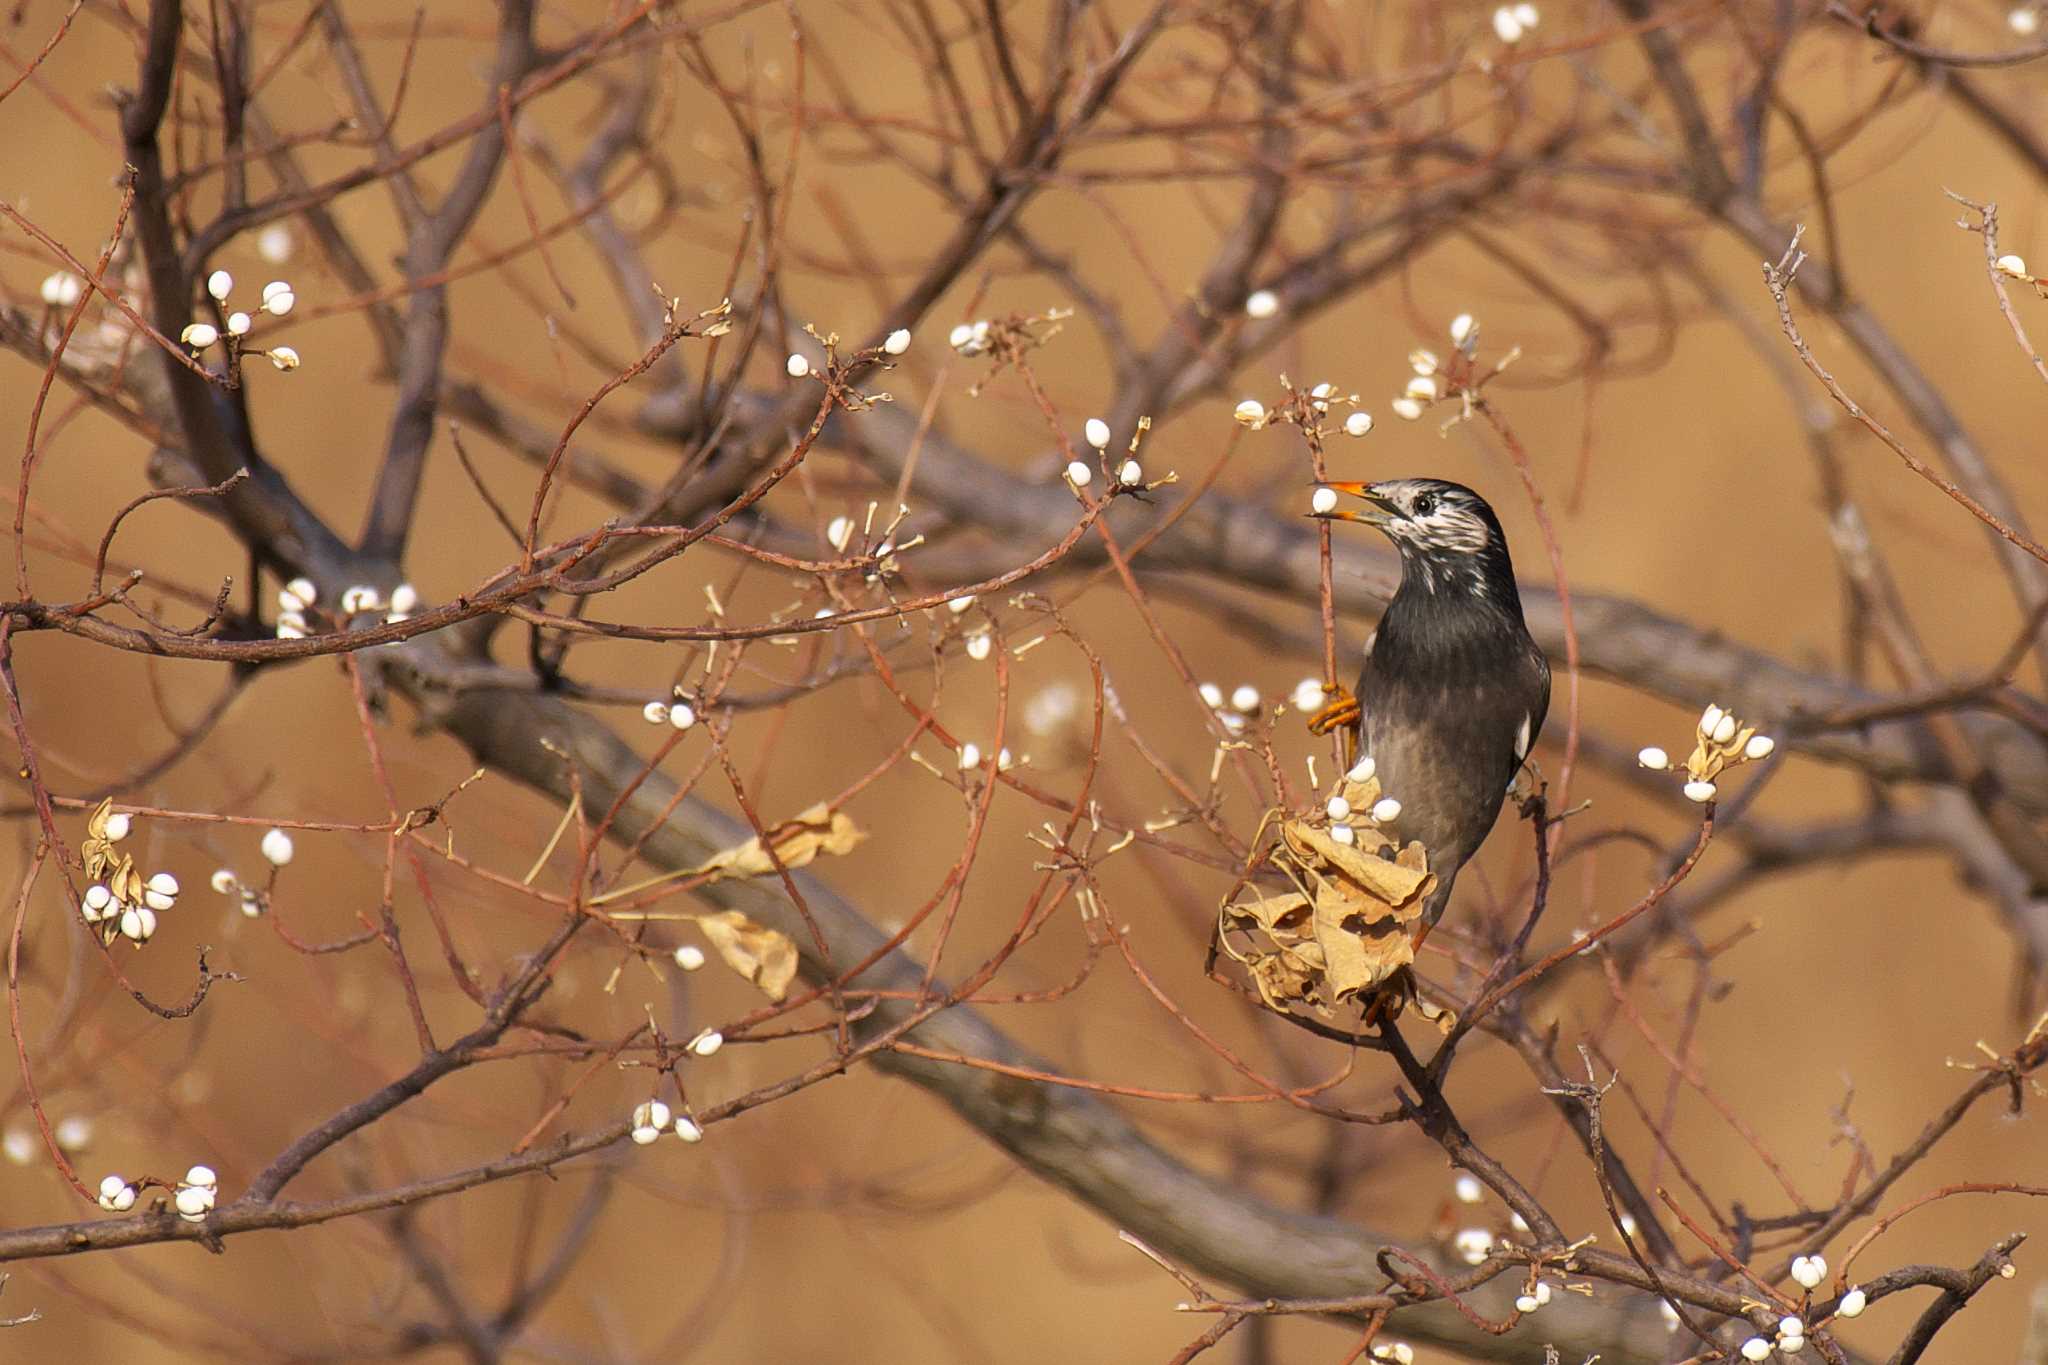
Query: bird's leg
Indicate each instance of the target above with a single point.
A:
(1389, 998)
(1385, 1005)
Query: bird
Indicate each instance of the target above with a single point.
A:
(1454, 689)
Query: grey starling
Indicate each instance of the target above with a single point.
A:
(1454, 691)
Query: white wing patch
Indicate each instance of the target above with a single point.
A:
(1522, 741)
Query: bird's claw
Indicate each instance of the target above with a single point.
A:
(1389, 998)
(1341, 710)
(1393, 994)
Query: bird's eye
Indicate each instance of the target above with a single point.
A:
(1425, 504)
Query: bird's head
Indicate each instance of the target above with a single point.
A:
(1447, 535)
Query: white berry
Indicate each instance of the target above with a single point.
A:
(648, 1120)
(277, 847)
(1473, 1245)
(1358, 424)
(898, 342)
(1097, 431)
(62, 289)
(110, 1188)
(1323, 501)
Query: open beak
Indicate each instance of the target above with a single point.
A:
(1378, 509)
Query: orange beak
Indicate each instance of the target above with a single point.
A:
(1378, 510)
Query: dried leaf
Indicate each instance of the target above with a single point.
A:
(762, 955)
(818, 830)
(126, 883)
(96, 850)
(1360, 949)
(1285, 977)
(1283, 916)
(1390, 882)
(1444, 1019)
(1344, 932)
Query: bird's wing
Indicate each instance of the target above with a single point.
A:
(1539, 705)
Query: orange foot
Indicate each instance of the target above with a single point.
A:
(1341, 710)
(1389, 998)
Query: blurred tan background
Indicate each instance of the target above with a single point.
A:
(859, 1220)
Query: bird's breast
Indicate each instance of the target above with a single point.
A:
(1447, 754)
